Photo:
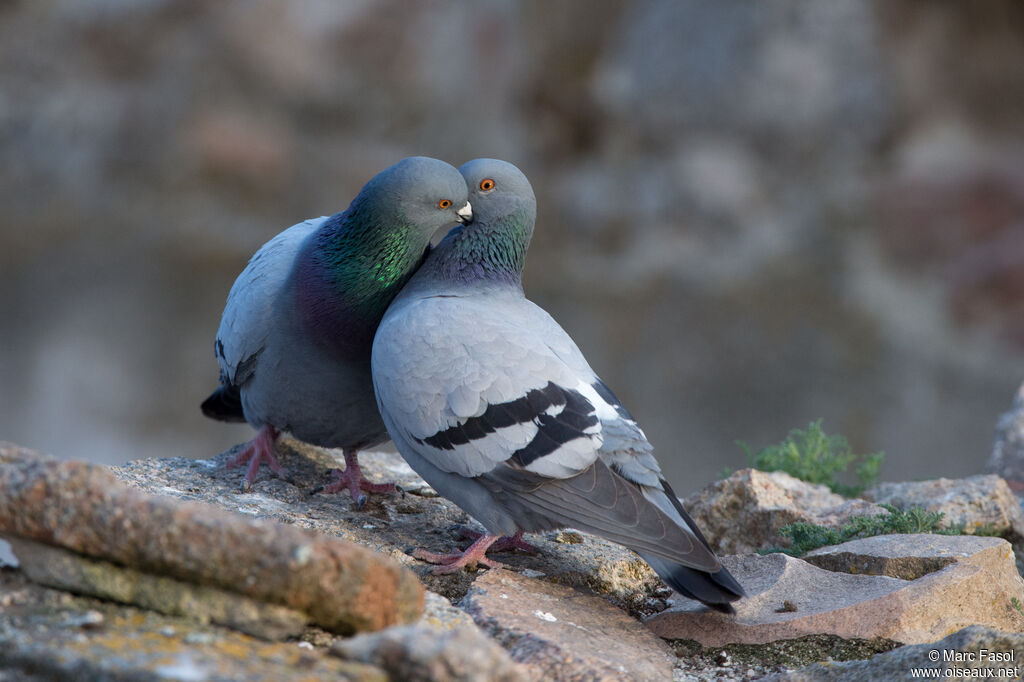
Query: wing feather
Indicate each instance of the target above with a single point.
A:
(247, 317)
(471, 403)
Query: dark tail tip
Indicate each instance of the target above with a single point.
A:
(715, 590)
(224, 404)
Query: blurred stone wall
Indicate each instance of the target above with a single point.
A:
(751, 215)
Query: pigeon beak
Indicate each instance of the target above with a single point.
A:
(465, 214)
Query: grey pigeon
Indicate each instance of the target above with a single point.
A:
(492, 403)
(295, 338)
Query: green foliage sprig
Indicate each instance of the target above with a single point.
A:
(816, 457)
(808, 536)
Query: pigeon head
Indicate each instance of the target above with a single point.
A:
(498, 189)
(493, 246)
(380, 239)
(420, 191)
(357, 261)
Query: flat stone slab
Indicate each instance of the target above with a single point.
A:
(561, 633)
(910, 557)
(744, 512)
(790, 598)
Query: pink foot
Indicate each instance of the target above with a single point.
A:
(259, 449)
(506, 543)
(352, 480)
(453, 563)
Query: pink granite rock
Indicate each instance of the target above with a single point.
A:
(790, 597)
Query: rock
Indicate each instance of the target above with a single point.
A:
(909, 557)
(421, 653)
(972, 648)
(439, 613)
(1007, 458)
(83, 508)
(48, 635)
(67, 570)
(745, 511)
(561, 633)
(392, 524)
(790, 598)
(977, 502)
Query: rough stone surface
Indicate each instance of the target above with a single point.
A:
(977, 502)
(82, 507)
(1007, 458)
(50, 635)
(561, 633)
(979, 648)
(392, 524)
(421, 653)
(790, 598)
(67, 570)
(745, 511)
(439, 613)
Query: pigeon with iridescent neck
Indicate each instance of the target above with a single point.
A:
(295, 338)
(492, 403)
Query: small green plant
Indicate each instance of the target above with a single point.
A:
(1018, 607)
(816, 457)
(808, 536)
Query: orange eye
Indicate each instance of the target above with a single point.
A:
(486, 184)
(444, 203)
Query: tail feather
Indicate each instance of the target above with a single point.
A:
(716, 590)
(224, 404)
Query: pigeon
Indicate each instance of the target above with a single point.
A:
(492, 403)
(295, 338)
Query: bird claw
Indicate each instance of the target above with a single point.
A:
(259, 449)
(506, 543)
(351, 479)
(453, 563)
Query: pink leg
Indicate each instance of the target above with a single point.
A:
(505, 543)
(453, 563)
(352, 479)
(259, 449)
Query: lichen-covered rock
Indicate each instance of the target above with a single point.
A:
(982, 502)
(48, 635)
(439, 613)
(60, 568)
(789, 597)
(745, 511)
(84, 508)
